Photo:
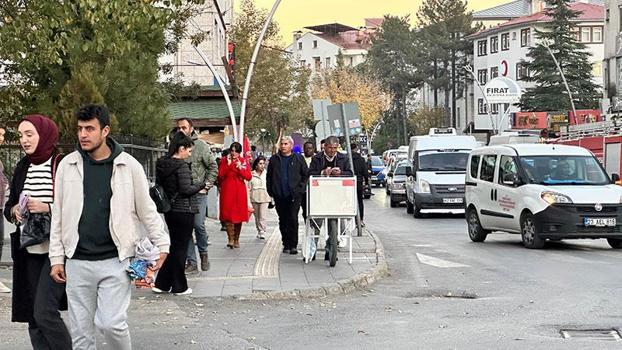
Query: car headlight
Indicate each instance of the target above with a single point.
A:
(554, 197)
(399, 185)
(424, 187)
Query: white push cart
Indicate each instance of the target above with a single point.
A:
(331, 212)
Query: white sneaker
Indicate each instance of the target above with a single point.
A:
(4, 288)
(158, 290)
(186, 292)
(261, 235)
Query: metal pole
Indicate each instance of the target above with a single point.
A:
(223, 89)
(346, 132)
(470, 70)
(559, 68)
(249, 74)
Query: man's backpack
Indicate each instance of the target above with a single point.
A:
(159, 197)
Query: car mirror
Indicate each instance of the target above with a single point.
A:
(511, 180)
(615, 178)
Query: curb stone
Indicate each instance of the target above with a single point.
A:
(345, 286)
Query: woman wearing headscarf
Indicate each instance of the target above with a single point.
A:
(37, 299)
(174, 175)
(233, 171)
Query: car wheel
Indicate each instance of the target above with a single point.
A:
(409, 207)
(529, 234)
(615, 243)
(393, 203)
(476, 231)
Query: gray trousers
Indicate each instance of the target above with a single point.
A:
(99, 294)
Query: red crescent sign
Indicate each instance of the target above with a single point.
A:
(504, 64)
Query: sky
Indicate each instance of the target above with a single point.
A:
(295, 14)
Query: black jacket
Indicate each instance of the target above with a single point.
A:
(297, 176)
(176, 178)
(22, 304)
(318, 163)
(360, 169)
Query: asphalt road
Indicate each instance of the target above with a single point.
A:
(444, 292)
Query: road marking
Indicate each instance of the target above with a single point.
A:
(436, 262)
(267, 264)
(422, 245)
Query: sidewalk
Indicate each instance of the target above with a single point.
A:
(259, 269)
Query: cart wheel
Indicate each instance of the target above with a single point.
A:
(334, 244)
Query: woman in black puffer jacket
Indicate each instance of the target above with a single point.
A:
(173, 173)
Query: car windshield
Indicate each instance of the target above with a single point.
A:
(563, 170)
(400, 170)
(376, 161)
(440, 161)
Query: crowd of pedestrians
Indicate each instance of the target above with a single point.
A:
(79, 219)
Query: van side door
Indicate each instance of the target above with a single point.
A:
(486, 190)
(507, 194)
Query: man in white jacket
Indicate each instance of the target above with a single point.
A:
(101, 200)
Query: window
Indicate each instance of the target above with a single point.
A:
(351, 61)
(300, 45)
(521, 71)
(315, 44)
(505, 42)
(487, 173)
(318, 63)
(303, 63)
(327, 62)
(575, 33)
(508, 171)
(494, 108)
(586, 34)
(481, 48)
(482, 108)
(597, 34)
(525, 37)
(494, 44)
(474, 166)
(494, 72)
(482, 76)
(563, 170)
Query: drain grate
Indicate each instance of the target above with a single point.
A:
(592, 334)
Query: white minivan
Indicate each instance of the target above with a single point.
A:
(435, 179)
(541, 191)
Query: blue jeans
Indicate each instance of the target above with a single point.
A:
(199, 229)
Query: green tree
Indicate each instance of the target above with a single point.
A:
(443, 26)
(393, 60)
(549, 92)
(62, 54)
(278, 99)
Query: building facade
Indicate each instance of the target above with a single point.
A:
(612, 63)
(215, 17)
(320, 47)
(502, 49)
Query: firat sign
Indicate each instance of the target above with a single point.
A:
(502, 90)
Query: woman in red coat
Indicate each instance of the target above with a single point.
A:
(233, 170)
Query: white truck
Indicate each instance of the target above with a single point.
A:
(435, 178)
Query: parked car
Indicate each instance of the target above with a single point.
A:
(542, 192)
(396, 183)
(376, 168)
(390, 168)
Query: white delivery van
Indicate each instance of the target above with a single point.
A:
(541, 191)
(436, 175)
(514, 137)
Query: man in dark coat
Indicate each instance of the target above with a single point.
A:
(362, 178)
(286, 182)
(330, 163)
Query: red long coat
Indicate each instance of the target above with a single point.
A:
(233, 196)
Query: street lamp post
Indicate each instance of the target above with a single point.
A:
(251, 66)
(546, 44)
(263, 145)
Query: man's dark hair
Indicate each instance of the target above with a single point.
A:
(309, 143)
(186, 119)
(253, 148)
(354, 146)
(99, 112)
(179, 140)
(323, 141)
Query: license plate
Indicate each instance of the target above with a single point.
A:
(599, 222)
(374, 177)
(452, 200)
